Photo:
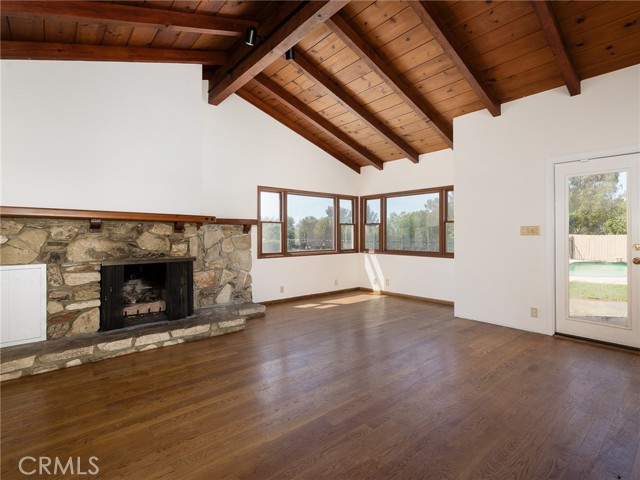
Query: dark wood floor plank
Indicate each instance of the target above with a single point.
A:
(350, 386)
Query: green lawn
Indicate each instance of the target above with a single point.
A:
(598, 291)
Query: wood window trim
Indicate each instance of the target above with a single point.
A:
(337, 250)
(446, 220)
(359, 222)
(353, 223)
(363, 239)
(382, 247)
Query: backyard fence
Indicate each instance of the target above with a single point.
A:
(598, 248)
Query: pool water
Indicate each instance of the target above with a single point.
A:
(598, 269)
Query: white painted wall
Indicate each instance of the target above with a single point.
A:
(75, 122)
(419, 276)
(500, 185)
(101, 136)
(244, 148)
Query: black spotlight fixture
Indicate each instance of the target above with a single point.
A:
(250, 36)
(290, 54)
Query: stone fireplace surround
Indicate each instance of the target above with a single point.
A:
(73, 252)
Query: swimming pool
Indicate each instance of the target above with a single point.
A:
(598, 269)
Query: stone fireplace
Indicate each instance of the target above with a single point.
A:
(169, 281)
(78, 258)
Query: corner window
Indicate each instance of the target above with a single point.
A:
(293, 222)
(416, 222)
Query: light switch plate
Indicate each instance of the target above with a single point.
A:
(530, 230)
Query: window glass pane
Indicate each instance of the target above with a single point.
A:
(413, 223)
(373, 211)
(371, 237)
(270, 206)
(310, 223)
(450, 205)
(346, 211)
(449, 238)
(271, 238)
(346, 240)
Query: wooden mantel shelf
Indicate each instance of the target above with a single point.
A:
(97, 216)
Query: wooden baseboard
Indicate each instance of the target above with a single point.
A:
(357, 289)
(411, 297)
(306, 297)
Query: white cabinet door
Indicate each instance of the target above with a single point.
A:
(23, 307)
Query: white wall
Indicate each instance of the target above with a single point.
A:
(245, 148)
(101, 136)
(500, 185)
(243, 143)
(418, 276)
(81, 135)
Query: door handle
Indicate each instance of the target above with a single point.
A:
(636, 260)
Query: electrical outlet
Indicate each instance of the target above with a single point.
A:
(335, 282)
(386, 282)
(534, 312)
(281, 289)
(375, 281)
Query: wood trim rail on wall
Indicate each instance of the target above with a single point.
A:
(97, 216)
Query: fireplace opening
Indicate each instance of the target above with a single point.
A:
(143, 293)
(136, 292)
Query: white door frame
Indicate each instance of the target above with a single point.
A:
(550, 235)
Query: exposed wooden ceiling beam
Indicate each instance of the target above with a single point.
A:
(289, 31)
(429, 17)
(558, 46)
(346, 100)
(303, 110)
(104, 12)
(66, 51)
(279, 117)
(407, 93)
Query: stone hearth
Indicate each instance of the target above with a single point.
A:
(41, 357)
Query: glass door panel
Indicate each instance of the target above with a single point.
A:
(597, 260)
(597, 249)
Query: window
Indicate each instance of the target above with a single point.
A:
(449, 221)
(310, 223)
(372, 225)
(294, 222)
(411, 223)
(347, 224)
(271, 221)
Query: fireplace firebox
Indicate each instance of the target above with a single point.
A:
(141, 291)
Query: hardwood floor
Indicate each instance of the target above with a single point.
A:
(353, 386)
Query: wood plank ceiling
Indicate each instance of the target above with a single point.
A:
(370, 82)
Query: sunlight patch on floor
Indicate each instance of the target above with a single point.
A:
(364, 297)
(355, 299)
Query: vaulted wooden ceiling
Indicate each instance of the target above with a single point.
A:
(370, 82)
